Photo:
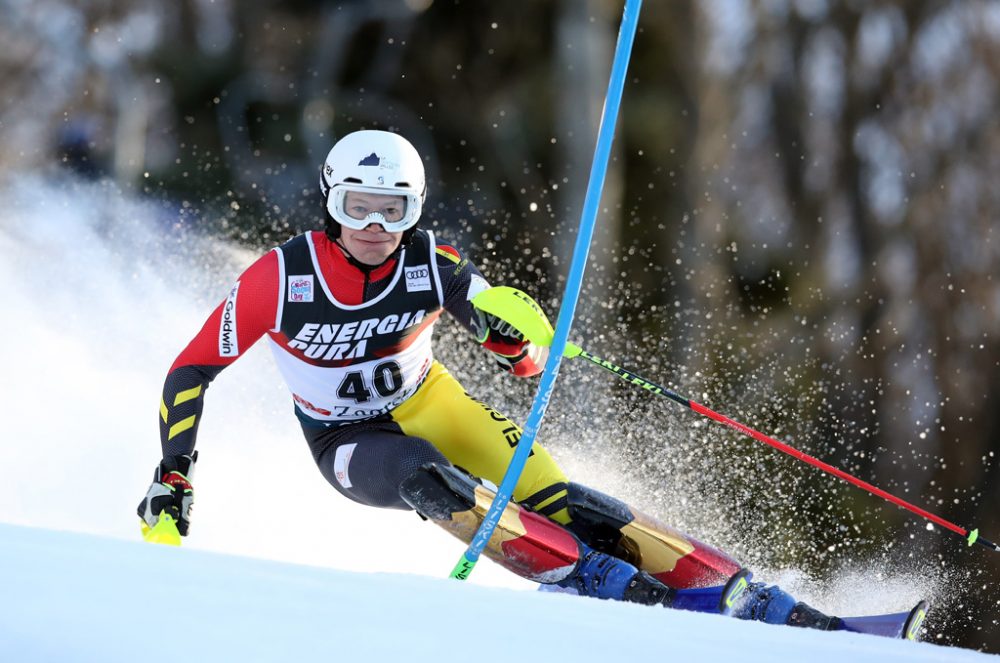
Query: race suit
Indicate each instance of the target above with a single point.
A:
(353, 344)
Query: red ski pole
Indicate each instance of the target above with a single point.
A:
(527, 316)
(972, 536)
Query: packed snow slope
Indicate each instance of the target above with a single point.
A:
(99, 292)
(79, 597)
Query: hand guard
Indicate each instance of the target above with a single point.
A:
(171, 491)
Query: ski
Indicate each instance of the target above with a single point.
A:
(901, 625)
(905, 625)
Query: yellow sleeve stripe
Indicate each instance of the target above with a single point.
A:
(163, 411)
(447, 254)
(187, 395)
(180, 427)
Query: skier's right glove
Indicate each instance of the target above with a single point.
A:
(528, 362)
(171, 491)
(512, 352)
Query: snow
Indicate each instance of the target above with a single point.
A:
(100, 295)
(77, 597)
(105, 294)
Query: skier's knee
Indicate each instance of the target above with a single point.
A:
(612, 526)
(436, 493)
(596, 518)
(526, 543)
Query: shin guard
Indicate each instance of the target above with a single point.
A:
(523, 542)
(676, 560)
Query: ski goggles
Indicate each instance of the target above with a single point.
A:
(357, 207)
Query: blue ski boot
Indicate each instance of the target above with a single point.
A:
(603, 576)
(772, 605)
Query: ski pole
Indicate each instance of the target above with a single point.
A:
(521, 311)
(592, 199)
(630, 377)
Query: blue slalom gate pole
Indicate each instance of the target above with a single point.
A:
(588, 219)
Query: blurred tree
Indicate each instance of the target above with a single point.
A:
(842, 164)
(798, 225)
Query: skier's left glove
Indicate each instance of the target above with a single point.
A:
(171, 491)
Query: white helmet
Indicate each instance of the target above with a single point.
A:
(373, 162)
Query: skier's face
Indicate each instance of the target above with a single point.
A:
(373, 244)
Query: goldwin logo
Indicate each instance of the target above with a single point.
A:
(228, 346)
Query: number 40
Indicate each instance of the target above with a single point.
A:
(386, 380)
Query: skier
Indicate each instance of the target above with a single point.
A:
(349, 312)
